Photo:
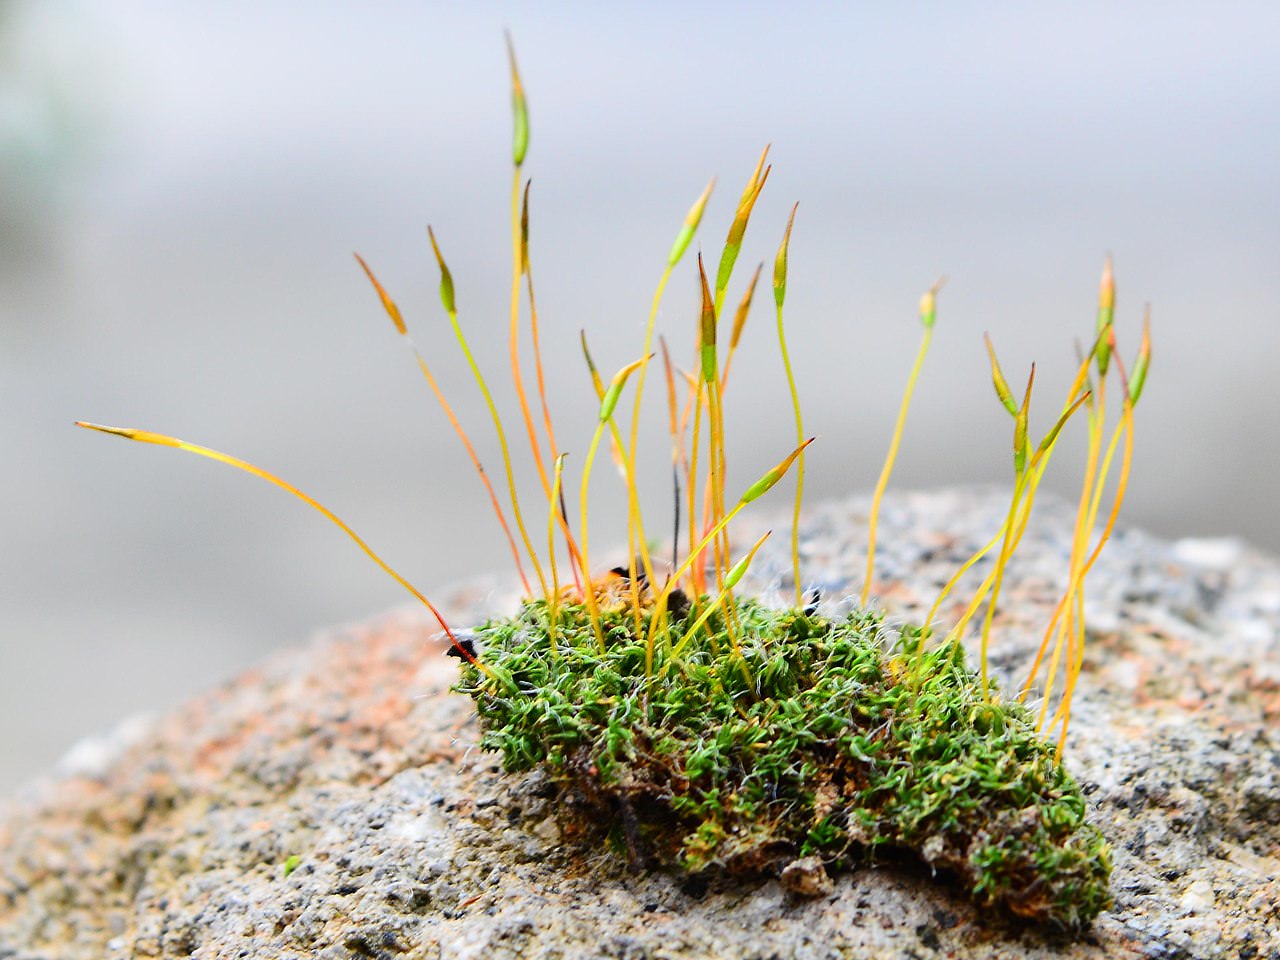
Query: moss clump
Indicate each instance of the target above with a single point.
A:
(822, 739)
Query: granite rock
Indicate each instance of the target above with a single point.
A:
(332, 804)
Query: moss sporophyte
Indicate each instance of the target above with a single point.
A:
(709, 732)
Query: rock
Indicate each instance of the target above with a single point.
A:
(331, 803)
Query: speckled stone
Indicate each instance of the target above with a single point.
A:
(331, 803)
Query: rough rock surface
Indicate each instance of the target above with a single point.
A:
(330, 803)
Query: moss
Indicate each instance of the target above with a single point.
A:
(825, 738)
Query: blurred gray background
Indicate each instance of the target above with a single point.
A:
(182, 185)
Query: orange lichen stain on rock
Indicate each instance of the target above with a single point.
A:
(215, 756)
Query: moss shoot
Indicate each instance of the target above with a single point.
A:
(824, 738)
